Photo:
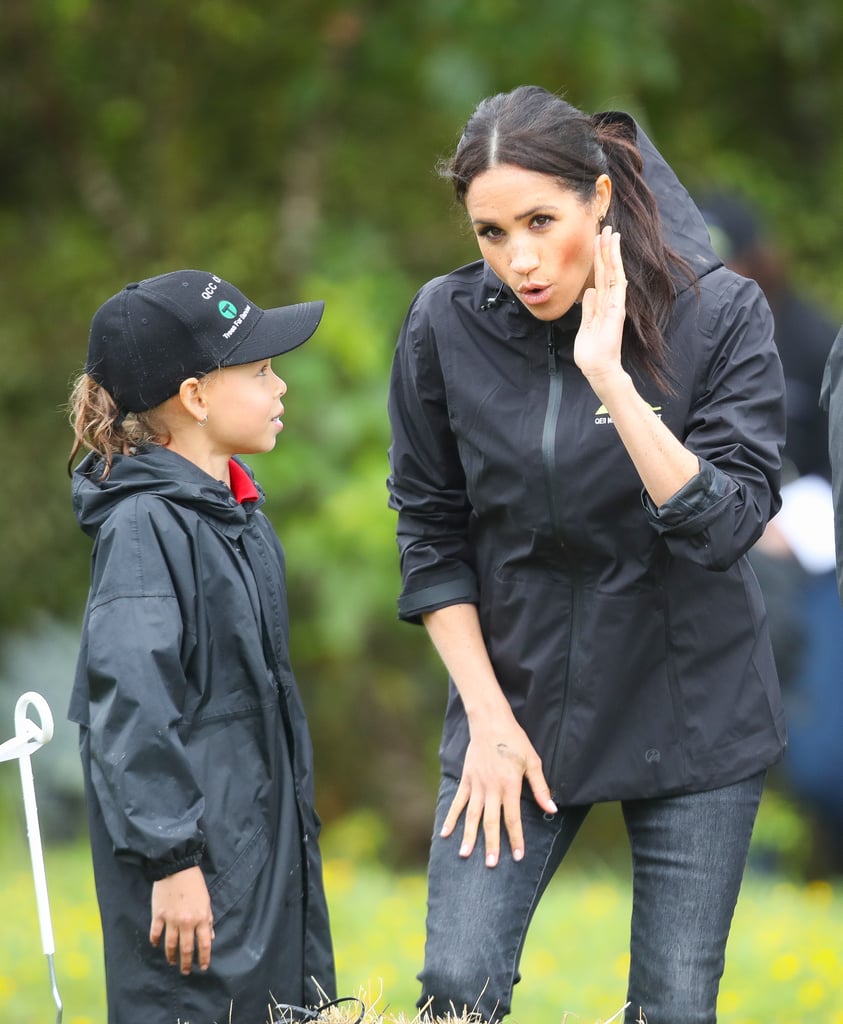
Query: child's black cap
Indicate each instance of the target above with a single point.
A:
(151, 336)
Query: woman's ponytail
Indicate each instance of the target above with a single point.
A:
(651, 271)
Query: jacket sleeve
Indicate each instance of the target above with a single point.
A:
(736, 425)
(133, 651)
(832, 401)
(426, 484)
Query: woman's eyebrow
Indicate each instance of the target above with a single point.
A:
(542, 207)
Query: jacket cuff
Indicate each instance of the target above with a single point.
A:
(411, 607)
(694, 505)
(158, 869)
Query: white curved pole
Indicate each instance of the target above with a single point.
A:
(29, 737)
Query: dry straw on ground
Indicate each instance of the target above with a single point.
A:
(364, 1009)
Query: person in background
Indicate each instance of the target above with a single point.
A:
(795, 559)
(832, 400)
(587, 427)
(193, 738)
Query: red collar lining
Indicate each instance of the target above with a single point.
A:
(242, 486)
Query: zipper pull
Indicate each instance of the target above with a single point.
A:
(551, 358)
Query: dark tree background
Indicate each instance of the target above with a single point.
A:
(290, 147)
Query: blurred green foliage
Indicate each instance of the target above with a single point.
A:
(291, 148)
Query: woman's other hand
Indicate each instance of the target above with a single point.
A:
(498, 760)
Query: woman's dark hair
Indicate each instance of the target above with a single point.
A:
(537, 130)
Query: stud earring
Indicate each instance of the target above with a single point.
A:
(202, 423)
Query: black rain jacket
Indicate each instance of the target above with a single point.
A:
(631, 641)
(194, 743)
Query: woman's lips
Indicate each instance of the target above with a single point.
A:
(534, 295)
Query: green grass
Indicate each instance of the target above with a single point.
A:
(785, 963)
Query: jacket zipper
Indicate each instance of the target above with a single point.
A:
(551, 420)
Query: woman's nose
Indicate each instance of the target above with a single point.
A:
(524, 258)
(281, 385)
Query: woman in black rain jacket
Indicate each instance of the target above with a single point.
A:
(572, 525)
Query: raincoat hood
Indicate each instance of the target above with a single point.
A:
(158, 471)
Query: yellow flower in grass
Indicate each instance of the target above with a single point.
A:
(826, 962)
(412, 887)
(776, 933)
(599, 900)
(339, 875)
(620, 968)
(75, 965)
(543, 964)
(412, 946)
(728, 1001)
(811, 994)
(785, 967)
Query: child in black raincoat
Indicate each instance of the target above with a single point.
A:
(193, 738)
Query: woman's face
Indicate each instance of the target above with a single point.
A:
(537, 235)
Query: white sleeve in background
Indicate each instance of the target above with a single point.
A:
(806, 520)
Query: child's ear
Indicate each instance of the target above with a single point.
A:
(192, 397)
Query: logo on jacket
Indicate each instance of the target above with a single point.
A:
(602, 414)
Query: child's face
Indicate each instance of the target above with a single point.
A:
(244, 408)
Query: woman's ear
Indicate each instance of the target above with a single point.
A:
(602, 195)
(192, 398)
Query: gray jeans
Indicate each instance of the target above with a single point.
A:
(688, 858)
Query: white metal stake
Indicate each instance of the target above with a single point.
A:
(29, 737)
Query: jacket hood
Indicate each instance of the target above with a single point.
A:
(684, 227)
(157, 471)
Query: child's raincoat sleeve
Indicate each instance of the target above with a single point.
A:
(133, 648)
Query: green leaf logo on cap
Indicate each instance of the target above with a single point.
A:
(227, 309)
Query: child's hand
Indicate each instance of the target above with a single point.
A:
(181, 911)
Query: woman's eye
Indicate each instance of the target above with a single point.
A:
(541, 220)
(489, 232)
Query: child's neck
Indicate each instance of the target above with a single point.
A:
(215, 464)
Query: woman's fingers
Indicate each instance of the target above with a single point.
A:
(608, 264)
(492, 832)
(458, 804)
(490, 790)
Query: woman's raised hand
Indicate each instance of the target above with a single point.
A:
(597, 347)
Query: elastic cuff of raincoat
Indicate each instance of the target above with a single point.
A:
(156, 870)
